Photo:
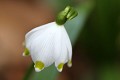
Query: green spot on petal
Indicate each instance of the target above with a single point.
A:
(69, 63)
(40, 65)
(60, 67)
(26, 52)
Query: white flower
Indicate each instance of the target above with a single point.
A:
(47, 44)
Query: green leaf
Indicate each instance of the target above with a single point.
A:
(49, 73)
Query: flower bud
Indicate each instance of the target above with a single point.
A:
(67, 14)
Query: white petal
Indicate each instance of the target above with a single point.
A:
(63, 55)
(23, 54)
(43, 51)
(68, 43)
(38, 31)
(57, 43)
(42, 47)
(37, 70)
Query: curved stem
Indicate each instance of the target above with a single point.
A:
(29, 71)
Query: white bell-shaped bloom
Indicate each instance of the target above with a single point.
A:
(48, 44)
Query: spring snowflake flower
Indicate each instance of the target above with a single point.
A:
(48, 44)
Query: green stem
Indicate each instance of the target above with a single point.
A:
(28, 73)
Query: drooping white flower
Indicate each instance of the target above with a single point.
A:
(48, 44)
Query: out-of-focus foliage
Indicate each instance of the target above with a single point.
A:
(101, 38)
(102, 28)
(49, 73)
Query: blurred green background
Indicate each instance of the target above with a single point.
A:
(94, 33)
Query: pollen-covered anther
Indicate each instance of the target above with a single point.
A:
(39, 66)
(26, 52)
(69, 64)
(60, 67)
